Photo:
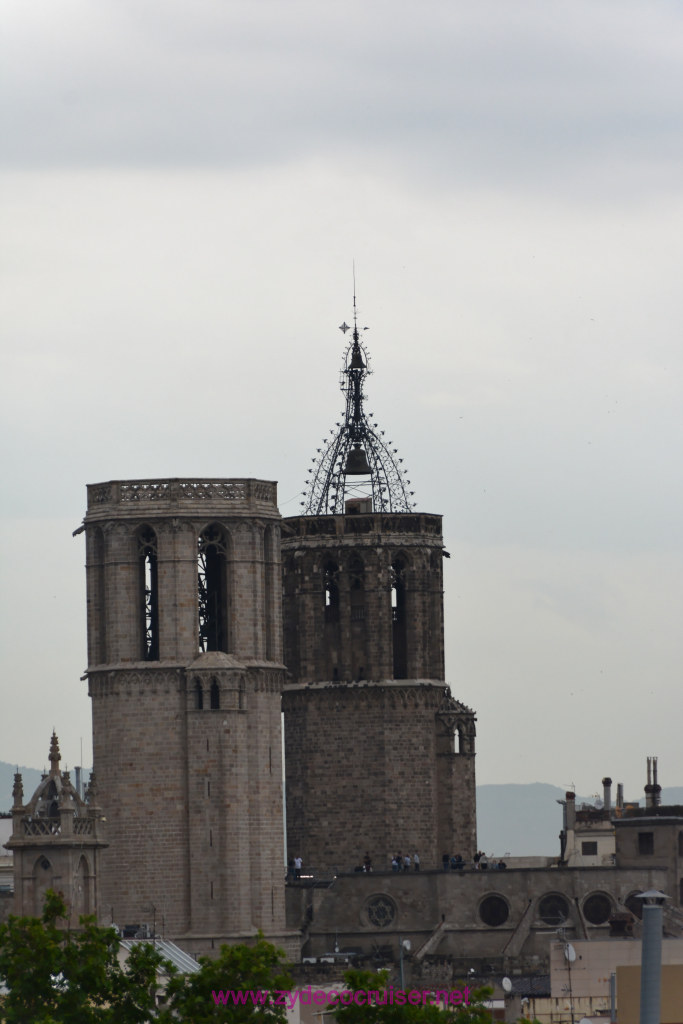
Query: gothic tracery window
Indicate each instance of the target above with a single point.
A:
(398, 615)
(149, 577)
(212, 582)
(331, 591)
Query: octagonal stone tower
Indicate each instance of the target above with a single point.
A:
(379, 756)
(185, 674)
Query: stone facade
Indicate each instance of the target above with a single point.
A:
(185, 675)
(379, 756)
(491, 921)
(653, 837)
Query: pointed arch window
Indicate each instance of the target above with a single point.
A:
(331, 591)
(399, 619)
(212, 582)
(271, 573)
(149, 584)
(198, 695)
(215, 696)
(98, 623)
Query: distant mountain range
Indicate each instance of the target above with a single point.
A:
(518, 820)
(30, 777)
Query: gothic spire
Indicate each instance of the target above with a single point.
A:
(356, 462)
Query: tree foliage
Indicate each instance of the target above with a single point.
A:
(245, 969)
(57, 976)
(472, 1013)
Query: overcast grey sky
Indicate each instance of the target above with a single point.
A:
(183, 188)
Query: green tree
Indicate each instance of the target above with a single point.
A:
(57, 976)
(473, 1012)
(204, 997)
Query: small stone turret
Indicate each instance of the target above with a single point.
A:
(56, 842)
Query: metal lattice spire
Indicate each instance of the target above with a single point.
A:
(356, 462)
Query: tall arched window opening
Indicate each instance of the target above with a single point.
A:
(99, 634)
(269, 576)
(215, 697)
(331, 591)
(213, 590)
(149, 580)
(357, 649)
(198, 696)
(399, 621)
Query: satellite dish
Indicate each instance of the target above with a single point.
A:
(507, 985)
(569, 953)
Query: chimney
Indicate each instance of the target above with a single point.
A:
(620, 795)
(656, 788)
(650, 794)
(607, 794)
(571, 810)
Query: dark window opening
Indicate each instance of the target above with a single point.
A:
(198, 696)
(597, 908)
(646, 842)
(589, 849)
(213, 594)
(399, 623)
(147, 553)
(553, 909)
(215, 696)
(99, 609)
(494, 911)
(270, 574)
(331, 591)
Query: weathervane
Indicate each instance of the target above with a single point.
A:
(356, 464)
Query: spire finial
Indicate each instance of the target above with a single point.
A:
(55, 756)
(355, 308)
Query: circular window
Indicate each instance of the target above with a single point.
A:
(597, 908)
(381, 911)
(494, 911)
(553, 909)
(635, 905)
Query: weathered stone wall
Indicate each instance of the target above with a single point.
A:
(187, 745)
(365, 911)
(379, 757)
(363, 548)
(649, 838)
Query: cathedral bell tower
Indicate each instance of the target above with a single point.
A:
(185, 673)
(379, 756)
